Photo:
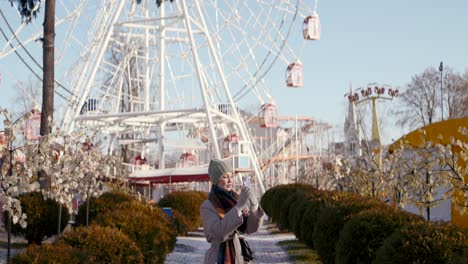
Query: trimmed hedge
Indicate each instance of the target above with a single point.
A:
(147, 226)
(42, 218)
(180, 223)
(52, 253)
(187, 203)
(273, 199)
(348, 228)
(311, 214)
(331, 220)
(427, 242)
(104, 244)
(105, 203)
(285, 220)
(363, 234)
(296, 212)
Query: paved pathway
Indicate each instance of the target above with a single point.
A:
(191, 249)
(3, 250)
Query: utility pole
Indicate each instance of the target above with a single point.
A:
(441, 69)
(48, 78)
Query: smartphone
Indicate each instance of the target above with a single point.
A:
(246, 181)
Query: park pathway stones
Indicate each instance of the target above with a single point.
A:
(192, 248)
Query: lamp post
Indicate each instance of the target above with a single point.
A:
(441, 69)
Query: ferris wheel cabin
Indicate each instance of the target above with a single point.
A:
(188, 159)
(139, 160)
(311, 27)
(267, 115)
(294, 75)
(32, 126)
(228, 143)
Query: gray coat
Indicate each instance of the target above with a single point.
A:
(218, 230)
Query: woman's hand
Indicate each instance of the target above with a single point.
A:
(244, 198)
(253, 201)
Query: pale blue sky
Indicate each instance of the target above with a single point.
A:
(362, 41)
(375, 41)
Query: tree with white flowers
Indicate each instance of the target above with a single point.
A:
(427, 185)
(14, 178)
(13, 166)
(455, 161)
(421, 176)
(398, 173)
(74, 164)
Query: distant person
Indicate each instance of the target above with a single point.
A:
(226, 215)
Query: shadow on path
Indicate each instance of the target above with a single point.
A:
(192, 248)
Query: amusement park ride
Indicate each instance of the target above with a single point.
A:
(373, 92)
(167, 84)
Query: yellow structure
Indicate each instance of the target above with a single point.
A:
(447, 129)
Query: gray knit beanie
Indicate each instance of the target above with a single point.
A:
(218, 168)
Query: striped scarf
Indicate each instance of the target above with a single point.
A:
(223, 201)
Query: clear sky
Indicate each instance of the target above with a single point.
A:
(362, 41)
(376, 41)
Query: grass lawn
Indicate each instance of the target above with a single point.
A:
(299, 252)
(4, 245)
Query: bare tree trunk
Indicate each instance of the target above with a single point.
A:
(48, 78)
(48, 65)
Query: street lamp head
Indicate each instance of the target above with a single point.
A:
(441, 67)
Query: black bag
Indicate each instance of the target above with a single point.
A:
(247, 252)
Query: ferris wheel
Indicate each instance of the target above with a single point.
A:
(132, 67)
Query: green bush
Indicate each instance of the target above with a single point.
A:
(461, 258)
(265, 200)
(52, 253)
(42, 218)
(312, 209)
(365, 232)
(147, 226)
(106, 202)
(427, 242)
(278, 195)
(296, 212)
(104, 244)
(201, 195)
(290, 202)
(180, 223)
(187, 203)
(331, 220)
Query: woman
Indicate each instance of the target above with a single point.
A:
(227, 214)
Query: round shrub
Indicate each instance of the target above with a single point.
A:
(265, 200)
(52, 253)
(201, 195)
(291, 201)
(312, 211)
(364, 233)
(180, 223)
(104, 244)
(187, 203)
(296, 212)
(147, 226)
(461, 258)
(331, 220)
(280, 194)
(42, 218)
(426, 242)
(106, 202)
